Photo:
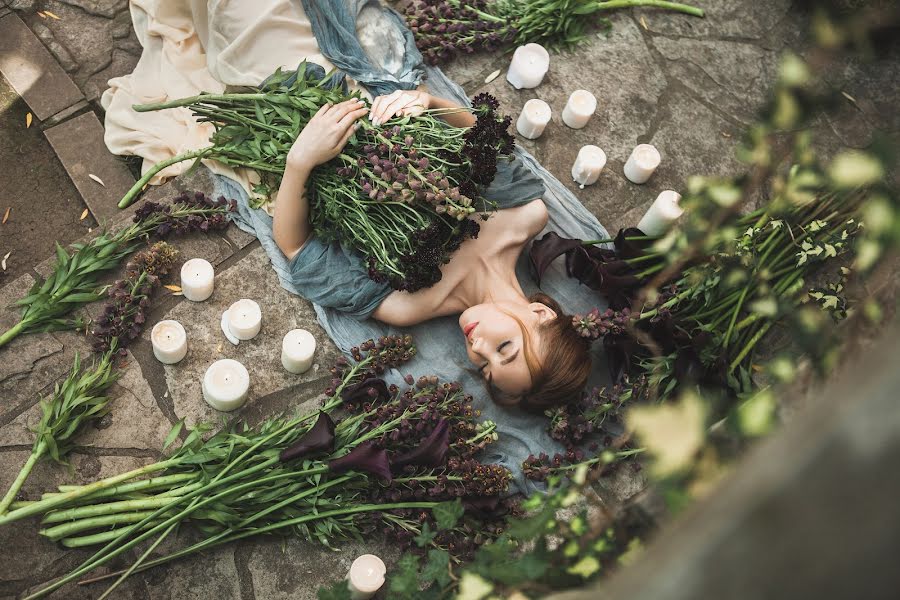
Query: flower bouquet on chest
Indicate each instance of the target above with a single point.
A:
(374, 457)
(402, 193)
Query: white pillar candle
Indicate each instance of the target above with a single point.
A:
(579, 109)
(197, 279)
(225, 385)
(534, 117)
(664, 211)
(366, 576)
(528, 67)
(169, 342)
(640, 165)
(244, 319)
(588, 164)
(297, 350)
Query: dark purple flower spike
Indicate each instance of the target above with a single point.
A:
(319, 437)
(365, 457)
(432, 452)
(368, 390)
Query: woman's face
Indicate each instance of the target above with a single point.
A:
(495, 342)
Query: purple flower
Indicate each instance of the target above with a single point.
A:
(319, 437)
(432, 452)
(360, 392)
(366, 458)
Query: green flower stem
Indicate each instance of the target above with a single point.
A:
(126, 488)
(11, 333)
(45, 505)
(35, 456)
(103, 537)
(143, 556)
(131, 195)
(67, 529)
(749, 346)
(108, 508)
(674, 6)
(210, 98)
(734, 315)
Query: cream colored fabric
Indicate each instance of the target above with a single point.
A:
(193, 46)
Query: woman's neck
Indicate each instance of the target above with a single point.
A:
(489, 281)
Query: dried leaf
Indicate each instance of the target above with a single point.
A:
(51, 15)
(3, 262)
(492, 76)
(175, 289)
(726, 135)
(219, 348)
(41, 14)
(97, 179)
(28, 119)
(644, 24)
(849, 97)
(6, 216)
(84, 215)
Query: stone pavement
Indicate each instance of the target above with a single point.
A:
(687, 86)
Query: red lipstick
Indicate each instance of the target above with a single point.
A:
(469, 328)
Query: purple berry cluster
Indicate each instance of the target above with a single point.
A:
(595, 324)
(187, 213)
(124, 316)
(446, 28)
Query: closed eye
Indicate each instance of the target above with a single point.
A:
(502, 346)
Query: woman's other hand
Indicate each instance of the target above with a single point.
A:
(326, 134)
(401, 102)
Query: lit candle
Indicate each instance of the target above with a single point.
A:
(225, 385)
(366, 576)
(579, 108)
(297, 349)
(528, 67)
(588, 164)
(197, 279)
(664, 211)
(640, 165)
(169, 342)
(244, 319)
(534, 117)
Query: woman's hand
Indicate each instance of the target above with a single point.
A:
(401, 102)
(326, 134)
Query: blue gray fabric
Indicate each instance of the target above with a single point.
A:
(441, 346)
(334, 25)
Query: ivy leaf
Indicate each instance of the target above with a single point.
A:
(446, 514)
(425, 537)
(437, 568)
(473, 587)
(337, 591)
(585, 567)
(404, 580)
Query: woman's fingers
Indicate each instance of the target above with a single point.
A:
(379, 107)
(396, 106)
(352, 116)
(346, 137)
(338, 111)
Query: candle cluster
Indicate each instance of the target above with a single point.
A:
(226, 382)
(527, 69)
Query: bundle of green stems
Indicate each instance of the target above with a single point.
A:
(740, 289)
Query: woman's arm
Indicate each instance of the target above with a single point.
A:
(322, 139)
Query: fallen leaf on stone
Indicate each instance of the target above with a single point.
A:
(850, 98)
(3, 262)
(492, 76)
(6, 216)
(41, 14)
(644, 24)
(28, 118)
(219, 348)
(144, 187)
(51, 15)
(175, 289)
(97, 179)
(84, 215)
(726, 135)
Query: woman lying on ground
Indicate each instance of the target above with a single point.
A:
(525, 348)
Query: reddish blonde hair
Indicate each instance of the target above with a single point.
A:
(562, 373)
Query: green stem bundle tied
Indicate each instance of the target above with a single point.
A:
(401, 193)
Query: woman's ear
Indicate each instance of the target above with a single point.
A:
(543, 312)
